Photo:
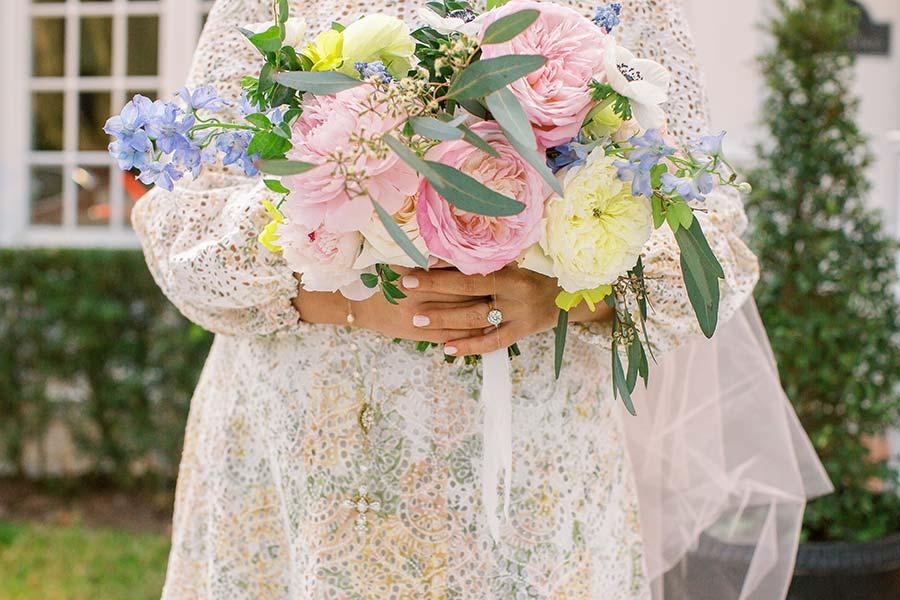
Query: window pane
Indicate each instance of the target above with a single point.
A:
(48, 40)
(143, 45)
(46, 195)
(93, 110)
(93, 195)
(96, 46)
(47, 121)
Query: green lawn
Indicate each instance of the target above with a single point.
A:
(48, 562)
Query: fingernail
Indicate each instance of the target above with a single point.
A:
(410, 282)
(421, 321)
(451, 350)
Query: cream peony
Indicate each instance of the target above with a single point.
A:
(597, 231)
(380, 247)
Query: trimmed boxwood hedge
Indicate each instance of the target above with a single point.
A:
(86, 336)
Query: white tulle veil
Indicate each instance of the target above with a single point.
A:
(723, 467)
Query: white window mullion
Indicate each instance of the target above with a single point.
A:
(179, 25)
(70, 114)
(119, 53)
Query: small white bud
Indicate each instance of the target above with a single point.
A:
(745, 188)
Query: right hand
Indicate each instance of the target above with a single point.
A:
(377, 314)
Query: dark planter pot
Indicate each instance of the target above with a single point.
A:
(848, 570)
(824, 571)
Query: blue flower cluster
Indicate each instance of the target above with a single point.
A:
(571, 154)
(375, 69)
(649, 150)
(607, 17)
(163, 141)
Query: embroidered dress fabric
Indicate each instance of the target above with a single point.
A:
(603, 505)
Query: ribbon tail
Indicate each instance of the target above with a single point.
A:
(496, 393)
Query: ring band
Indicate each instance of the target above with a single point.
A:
(495, 316)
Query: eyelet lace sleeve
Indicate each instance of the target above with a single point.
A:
(200, 240)
(657, 29)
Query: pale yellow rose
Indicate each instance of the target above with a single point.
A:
(380, 247)
(596, 232)
(601, 122)
(378, 37)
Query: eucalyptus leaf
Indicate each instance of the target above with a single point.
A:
(457, 188)
(620, 384)
(490, 74)
(474, 107)
(538, 161)
(508, 27)
(434, 129)
(476, 140)
(509, 114)
(284, 167)
(400, 236)
(559, 346)
(317, 82)
(701, 271)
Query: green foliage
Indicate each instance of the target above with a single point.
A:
(43, 562)
(95, 321)
(829, 274)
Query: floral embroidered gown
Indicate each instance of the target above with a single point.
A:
(274, 450)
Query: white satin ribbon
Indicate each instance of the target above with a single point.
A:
(496, 394)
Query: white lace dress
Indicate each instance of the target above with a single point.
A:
(274, 448)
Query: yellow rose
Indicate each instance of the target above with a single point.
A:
(269, 236)
(596, 232)
(326, 51)
(601, 122)
(378, 37)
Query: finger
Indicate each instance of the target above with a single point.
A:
(501, 337)
(448, 281)
(459, 316)
(442, 336)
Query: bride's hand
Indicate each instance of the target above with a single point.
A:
(392, 320)
(526, 299)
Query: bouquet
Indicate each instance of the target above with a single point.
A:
(525, 134)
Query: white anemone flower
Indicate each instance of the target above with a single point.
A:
(644, 82)
(448, 25)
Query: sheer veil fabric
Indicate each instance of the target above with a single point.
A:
(723, 467)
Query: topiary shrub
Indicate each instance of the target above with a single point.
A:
(91, 326)
(829, 274)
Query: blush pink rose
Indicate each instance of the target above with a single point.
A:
(331, 124)
(556, 97)
(324, 259)
(475, 243)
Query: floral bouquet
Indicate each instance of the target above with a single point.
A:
(521, 134)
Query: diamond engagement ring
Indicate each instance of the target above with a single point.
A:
(495, 317)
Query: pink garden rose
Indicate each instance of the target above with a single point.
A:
(556, 97)
(331, 124)
(324, 259)
(475, 243)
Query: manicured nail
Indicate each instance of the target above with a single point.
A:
(421, 321)
(451, 350)
(410, 282)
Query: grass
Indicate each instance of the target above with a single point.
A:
(74, 562)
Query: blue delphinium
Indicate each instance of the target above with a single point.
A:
(164, 139)
(708, 145)
(607, 17)
(376, 69)
(570, 154)
(690, 187)
(649, 150)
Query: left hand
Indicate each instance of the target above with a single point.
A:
(526, 299)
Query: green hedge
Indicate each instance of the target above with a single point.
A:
(93, 323)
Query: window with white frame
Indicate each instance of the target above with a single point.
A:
(87, 57)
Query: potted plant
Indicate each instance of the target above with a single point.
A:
(828, 298)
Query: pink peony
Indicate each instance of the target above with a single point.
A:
(556, 97)
(475, 243)
(324, 259)
(330, 125)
